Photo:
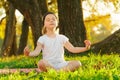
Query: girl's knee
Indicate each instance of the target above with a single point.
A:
(75, 64)
(78, 64)
(41, 65)
(41, 62)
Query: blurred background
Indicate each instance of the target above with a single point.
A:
(101, 19)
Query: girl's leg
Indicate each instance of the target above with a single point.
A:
(43, 65)
(72, 66)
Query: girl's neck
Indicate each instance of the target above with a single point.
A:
(51, 34)
(50, 31)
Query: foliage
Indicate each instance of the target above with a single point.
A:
(94, 67)
(98, 28)
(2, 2)
(52, 5)
(2, 29)
(91, 22)
(19, 62)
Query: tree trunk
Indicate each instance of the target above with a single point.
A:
(32, 10)
(9, 43)
(24, 37)
(32, 13)
(13, 47)
(71, 21)
(109, 45)
(43, 6)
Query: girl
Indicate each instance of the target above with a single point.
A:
(52, 46)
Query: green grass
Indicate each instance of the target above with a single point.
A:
(19, 62)
(94, 67)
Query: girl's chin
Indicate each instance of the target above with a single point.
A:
(53, 26)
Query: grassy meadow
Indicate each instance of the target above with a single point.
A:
(94, 67)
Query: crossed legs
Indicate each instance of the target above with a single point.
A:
(43, 65)
(72, 66)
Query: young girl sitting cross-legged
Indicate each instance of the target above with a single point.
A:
(52, 46)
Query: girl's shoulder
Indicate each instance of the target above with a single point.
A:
(63, 38)
(61, 35)
(42, 37)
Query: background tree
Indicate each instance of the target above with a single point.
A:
(9, 44)
(23, 40)
(32, 12)
(23, 37)
(43, 6)
(71, 21)
(108, 45)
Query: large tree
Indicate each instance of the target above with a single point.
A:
(24, 37)
(42, 5)
(108, 45)
(71, 24)
(9, 43)
(71, 21)
(32, 12)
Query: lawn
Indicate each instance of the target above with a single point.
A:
(94, 67)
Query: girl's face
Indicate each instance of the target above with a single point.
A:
(50, 21)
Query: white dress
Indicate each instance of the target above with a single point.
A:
(53, 50)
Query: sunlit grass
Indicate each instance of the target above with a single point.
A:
(19, 62)
(94, 67)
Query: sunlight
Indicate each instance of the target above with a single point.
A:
(115, 17)
(2, 13)
(99, 8)
(95, 29)
(92, 1)
(86, 9)
(19, 16)
(104, 8)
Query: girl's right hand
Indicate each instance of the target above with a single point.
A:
(26, 51)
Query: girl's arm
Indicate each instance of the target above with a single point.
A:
(73, 49)
(35, 52)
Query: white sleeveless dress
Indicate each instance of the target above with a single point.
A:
(53, 50)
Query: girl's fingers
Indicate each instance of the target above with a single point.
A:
(87, 42)
(26, 51)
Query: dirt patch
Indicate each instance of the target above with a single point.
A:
(25, 70)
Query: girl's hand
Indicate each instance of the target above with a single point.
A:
(87, 44)
(26, 51)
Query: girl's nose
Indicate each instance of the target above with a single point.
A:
(51, 20)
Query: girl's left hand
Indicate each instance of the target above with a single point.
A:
(26, 51)
(87, 44)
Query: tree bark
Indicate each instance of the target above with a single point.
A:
(109, 45)
(9, 43)
(32, 14)
(24, 37)
(71, 21)
(13, 47)
(43, 6)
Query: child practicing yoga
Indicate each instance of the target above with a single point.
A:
(52, 46)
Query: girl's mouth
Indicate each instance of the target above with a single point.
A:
(52, 24)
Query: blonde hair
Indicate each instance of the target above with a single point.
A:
(44, 30)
